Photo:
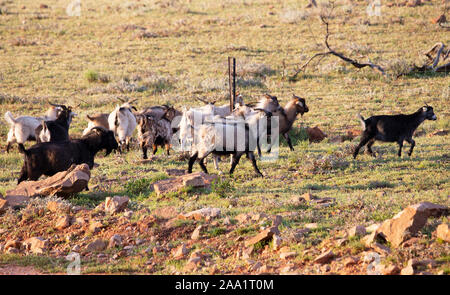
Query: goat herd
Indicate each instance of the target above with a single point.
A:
(205, 130)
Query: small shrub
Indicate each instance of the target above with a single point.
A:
(91, 76)
(221, 187)
(216, 232)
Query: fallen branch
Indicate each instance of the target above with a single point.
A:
(330, 51)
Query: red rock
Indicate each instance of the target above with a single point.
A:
(264, 235)
(325, 257)
(63, 222)
(96, 246)
(358, 230)
(443, 232)
(315, 134)
(204, 213)
(197, 179)
(36, 245)
(409, 221)
(116, 204)
(63, 184)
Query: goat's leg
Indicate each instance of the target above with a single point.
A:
(365, 139)
(8, 146)
(155, 148)
(167, 146)
(144, 152)
(236, 158)
(251, 156)
(288, 139)
(369, 147)
(258, 146)
(400, 145)
(413, 144)
(201, 162)
(192, 161)
(23, 175)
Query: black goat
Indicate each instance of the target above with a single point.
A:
(48, 158)
(397, 128)
(56, 130)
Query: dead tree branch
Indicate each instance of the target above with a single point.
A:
(330, 51)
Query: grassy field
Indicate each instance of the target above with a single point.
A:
(173, 51)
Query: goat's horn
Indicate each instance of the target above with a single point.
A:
(120, 99)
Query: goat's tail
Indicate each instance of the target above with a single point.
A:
(363, 122)
(9, 118)
(22, 149)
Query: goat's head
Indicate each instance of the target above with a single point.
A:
(300, 104)
(100, 138)
(428, 112)
(269, 103)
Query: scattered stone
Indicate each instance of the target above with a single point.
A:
(264, 235)
(325, 257)
(55, 206)
(175, 172)
(315, 134)
(115, 241)
(96, 246)
(116, 204)
(387, 270)
(277, 241)
(299, 234)
(373, 227)
(277, 220)
(408, 271)
(63, 222)
(380, 248)
(16, 244)
(443, 232)
(247, 252)
(95, 226)
(243, 218)
(3, 205)
(325, 268)
(36, 245)
(196, 234)
(180, 251)
(197, 179)
(351, 260)
(287, 255)
(358, 230)
(341, 242)
(14, 202)
(63, 184)
(204, 213)
(226, 221)
(409, 221)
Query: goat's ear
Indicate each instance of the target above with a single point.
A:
(424, 109)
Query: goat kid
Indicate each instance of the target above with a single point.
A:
(396, 128)
(56, 130)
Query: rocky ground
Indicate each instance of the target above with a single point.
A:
(112, 238)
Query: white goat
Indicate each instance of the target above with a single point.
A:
(123, 122)
(23, 128)
(225, 138)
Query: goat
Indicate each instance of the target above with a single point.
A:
(48, 158)
(56, 130)
(396, 128)
(23, 128)
(211, 138)
(154, 132)
(288, 115)
(123, 122)
(168, 112)
(97, 120)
